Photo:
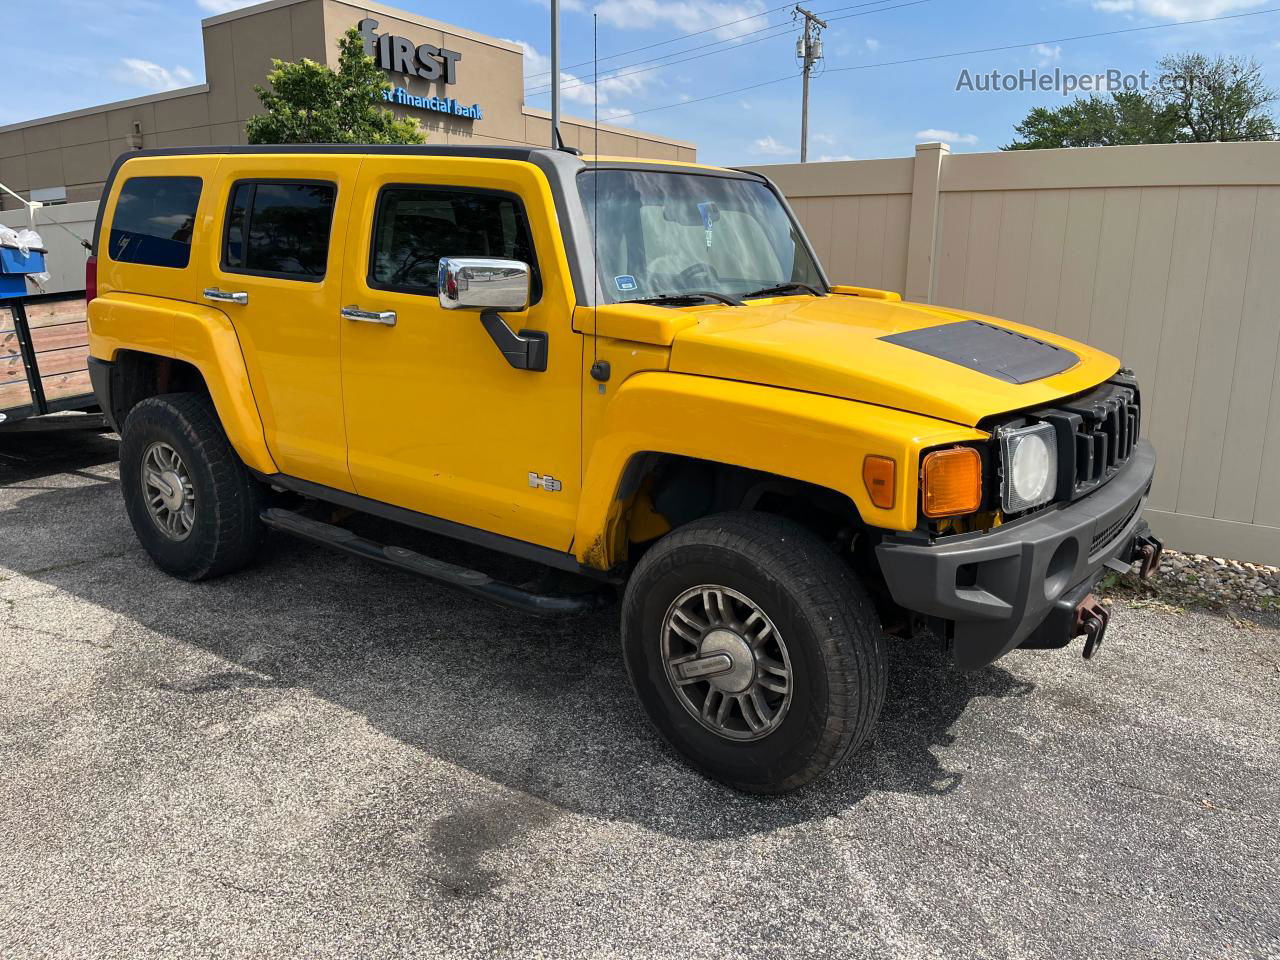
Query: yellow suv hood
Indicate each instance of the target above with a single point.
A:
(832, 345)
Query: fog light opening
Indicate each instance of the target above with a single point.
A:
(1062, 565)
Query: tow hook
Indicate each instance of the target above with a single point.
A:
(1150, 553)
(1091, 623)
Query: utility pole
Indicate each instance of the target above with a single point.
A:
(809, 50)
(555, 74)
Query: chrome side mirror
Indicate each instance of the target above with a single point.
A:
(483, 283)
(490, 286)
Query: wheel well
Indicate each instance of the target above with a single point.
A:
(139, 376)
(661, 492)
(683, 489)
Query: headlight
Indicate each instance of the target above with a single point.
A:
(1030, 459)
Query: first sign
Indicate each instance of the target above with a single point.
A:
(399, 55)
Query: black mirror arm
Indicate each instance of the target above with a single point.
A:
(526, 350)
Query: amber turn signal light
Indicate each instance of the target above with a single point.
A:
(951, 482)
(878, 473)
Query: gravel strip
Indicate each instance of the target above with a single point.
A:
(1190, 579)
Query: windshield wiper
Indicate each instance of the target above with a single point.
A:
(688, 299)
(778, 288)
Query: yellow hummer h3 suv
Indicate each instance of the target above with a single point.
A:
(633, 372)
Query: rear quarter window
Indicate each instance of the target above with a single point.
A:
(153, 221)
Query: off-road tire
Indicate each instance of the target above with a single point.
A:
(226, 531)
(829, 625)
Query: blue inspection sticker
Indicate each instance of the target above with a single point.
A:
(625, 283)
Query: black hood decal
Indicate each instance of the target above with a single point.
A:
(1004, 354)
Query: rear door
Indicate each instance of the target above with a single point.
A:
(275, 269)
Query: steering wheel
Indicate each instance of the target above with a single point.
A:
(700, 274)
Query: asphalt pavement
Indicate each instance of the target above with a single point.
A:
(318, 757)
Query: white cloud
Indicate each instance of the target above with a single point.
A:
(769, 147)
(1177, 9)
(826, 138)
(947, 136)
(1047, 54)
(537, 74)
(222, 6)
(616, 115)
(686, 15)
(872, 44)
(835, 157)
(144, 73)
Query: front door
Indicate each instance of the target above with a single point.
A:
(276, 272)
(437, 420)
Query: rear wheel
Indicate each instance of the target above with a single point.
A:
(193, 504)
(755, 652)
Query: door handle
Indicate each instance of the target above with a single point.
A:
(385, 317)
(225, 296)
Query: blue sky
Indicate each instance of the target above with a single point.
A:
(90, 52)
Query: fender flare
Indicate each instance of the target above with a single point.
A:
(813, 438)
(201, 336)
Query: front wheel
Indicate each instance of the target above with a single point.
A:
(755, 652)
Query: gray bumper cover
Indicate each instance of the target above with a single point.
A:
(998, 587)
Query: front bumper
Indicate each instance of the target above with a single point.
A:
(995, 589)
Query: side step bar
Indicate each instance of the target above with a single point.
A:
(471, 581)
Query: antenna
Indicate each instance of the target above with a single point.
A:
(556, 142)
(599, 368)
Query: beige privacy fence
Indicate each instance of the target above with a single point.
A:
(1167, 256)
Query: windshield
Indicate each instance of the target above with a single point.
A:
(662, 233)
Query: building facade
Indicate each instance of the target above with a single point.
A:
(463, 87)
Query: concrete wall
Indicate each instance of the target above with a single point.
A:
(1166, 256)
(75, 150)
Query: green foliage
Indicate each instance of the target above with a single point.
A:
(309, 103)
(1122, 118)
(1196, 100)
(1222, 99)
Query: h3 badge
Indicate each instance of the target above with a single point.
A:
(550, 484)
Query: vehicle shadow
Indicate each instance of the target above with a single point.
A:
(540, 706)
(31, 455)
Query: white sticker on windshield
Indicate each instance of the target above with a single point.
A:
(710, 214)
(626, 283)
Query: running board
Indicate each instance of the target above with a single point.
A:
(471, 581)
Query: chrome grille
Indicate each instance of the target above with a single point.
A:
(1096, 435)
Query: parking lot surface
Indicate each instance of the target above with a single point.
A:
(322, 758)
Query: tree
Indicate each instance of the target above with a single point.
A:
(309, 103)
(1122, 118)
(1217, 100)
(1196, 100)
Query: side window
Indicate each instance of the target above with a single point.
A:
(279, 229)
(416, 226)
(153, 221)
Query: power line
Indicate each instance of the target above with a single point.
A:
(696, 33)
(661, 43)
(732, 43)
(782, 29)
(959, 53)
